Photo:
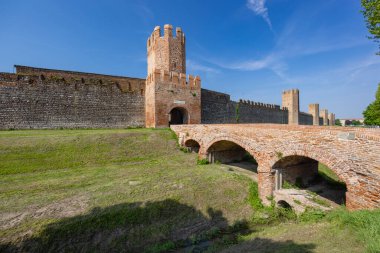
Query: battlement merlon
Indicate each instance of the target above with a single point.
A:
(262, 105)
(174, 78)
(291, 91)
(168, 33)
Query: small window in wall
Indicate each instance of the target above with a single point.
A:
(142, 92)
(129, 86)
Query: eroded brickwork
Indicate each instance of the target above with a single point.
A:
(331, 119)
(167, 52)
(168, 90)
(42, 98)
(358, 167)
(167, 87)
(314, 111)
(305, 118)
(324, 115)
(218, 108)
(290, 100)
(298, 170)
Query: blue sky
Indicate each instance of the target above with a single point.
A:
(251, 49)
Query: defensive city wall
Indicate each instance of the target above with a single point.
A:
(36, 98)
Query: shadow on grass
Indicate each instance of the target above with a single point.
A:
(160, 226)
(329, 188)
(264, 245)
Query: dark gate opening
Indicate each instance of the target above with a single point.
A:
(178, 116)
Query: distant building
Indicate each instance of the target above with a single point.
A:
(349, 122)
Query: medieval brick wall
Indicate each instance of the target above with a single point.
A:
(218, 108)
(41, 98)
(305, 118)
(253, 112)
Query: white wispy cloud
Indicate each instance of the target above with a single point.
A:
(195, 66)
(259, 8)
(289, 45)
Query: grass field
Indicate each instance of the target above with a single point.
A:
(133, 190)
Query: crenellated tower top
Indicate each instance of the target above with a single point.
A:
(166, 52)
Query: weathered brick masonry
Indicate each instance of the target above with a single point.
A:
(352, 153)
(305, 118)
(42, 98)
(218, 108)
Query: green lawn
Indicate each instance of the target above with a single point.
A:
(132, 190)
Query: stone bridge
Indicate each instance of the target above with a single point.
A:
(294, 152)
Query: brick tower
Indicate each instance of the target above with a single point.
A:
(290, 99)
(314, 111)
(170, 97)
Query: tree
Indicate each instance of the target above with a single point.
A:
(355, 123)
(338, 123)
(371, 12)
(372, 113)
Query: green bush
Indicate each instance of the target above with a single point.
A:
(253, 197)
(312, 215)
(202, 161)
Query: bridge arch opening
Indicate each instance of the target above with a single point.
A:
(192, 145)
(228, 152)
(284, 204)
(308, 174)
(178, 116)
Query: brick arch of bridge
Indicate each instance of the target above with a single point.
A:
(338, 166)
(251, 147)
(267, 157)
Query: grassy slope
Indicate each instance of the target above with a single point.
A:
(107, 174)
(124, 190)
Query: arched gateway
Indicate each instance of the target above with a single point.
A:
(178, 116)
